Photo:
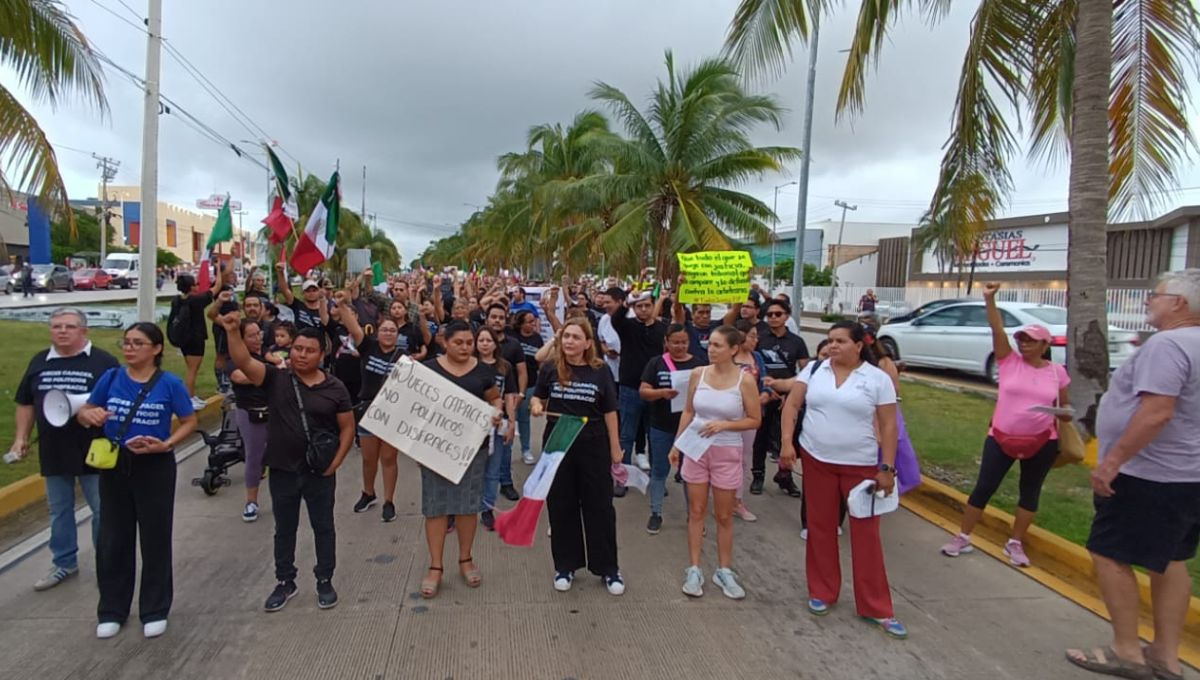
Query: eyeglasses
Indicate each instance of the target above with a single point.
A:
(775, 315)
(133, 344)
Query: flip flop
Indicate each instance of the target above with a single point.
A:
(471, 576)
(429, 586)
(1105, 661)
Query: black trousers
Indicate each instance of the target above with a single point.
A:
(581, 510)
(994, 466)
(287, 490)
(767, 438)
(137, 502)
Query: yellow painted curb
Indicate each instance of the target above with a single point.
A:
(25, 492)
(1059, 564)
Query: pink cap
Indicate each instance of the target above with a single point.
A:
(1034, 332)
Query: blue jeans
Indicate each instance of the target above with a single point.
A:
(632, 411)
(524, 430)
(60, 496)
(660, 467)
(497, 472)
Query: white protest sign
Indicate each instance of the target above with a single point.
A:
(679, 383)
(534, 294)
(429, 419)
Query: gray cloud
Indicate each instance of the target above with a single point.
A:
(428, 94)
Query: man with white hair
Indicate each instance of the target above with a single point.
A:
(1147, 485)
(71, 365)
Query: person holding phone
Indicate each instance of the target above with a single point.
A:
(845, 397)
(134, 405)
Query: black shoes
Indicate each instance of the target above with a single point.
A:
(365, 502)
(509, 492)
(326, 595)
(389, 512)
(756, 484)
(619, 491)
(788, 485)
(284, 591)
(654, 525)
(488, 520)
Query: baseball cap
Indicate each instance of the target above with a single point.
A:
(309, 283)
(1034, 332)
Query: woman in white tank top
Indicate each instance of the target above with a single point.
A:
(723, 402)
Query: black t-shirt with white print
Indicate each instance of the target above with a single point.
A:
(376, 365)
(590, 393)
(658, 376)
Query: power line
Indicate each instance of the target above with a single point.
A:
(113, 12)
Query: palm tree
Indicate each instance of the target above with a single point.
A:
(52, 60)
(673, 175)
(1126, 130)
(383, 249)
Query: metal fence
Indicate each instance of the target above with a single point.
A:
(1125, 306)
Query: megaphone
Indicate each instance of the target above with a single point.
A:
(59, 407)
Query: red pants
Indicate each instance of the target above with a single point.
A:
(825, 485)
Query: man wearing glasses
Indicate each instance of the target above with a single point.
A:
(783, 353)
(72, 365)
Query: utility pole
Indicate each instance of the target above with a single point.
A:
(108, 171)
(837, 253)
(802, 201)
(148, 238)
(363, 212)
(775, 231)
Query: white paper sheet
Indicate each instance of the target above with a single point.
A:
(637, 479)
(1053, 410)
(679, 383)
(691, 443)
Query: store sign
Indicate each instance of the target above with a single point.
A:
(1024, 249)
(216, 202)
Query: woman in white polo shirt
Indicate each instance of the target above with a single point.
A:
(845, 396)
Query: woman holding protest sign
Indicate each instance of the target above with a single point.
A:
(486, 347)
(577, 383)
(377, 353)
(440, 498)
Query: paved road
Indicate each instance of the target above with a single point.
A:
(969, 618)
(79, 297)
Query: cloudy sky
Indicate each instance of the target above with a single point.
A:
(427, 93)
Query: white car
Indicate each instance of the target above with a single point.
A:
(958, 336)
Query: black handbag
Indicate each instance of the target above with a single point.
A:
(258, 415)
(322, 445)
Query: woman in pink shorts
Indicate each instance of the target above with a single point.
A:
(723, 401)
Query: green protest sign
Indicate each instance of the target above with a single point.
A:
(715, 276)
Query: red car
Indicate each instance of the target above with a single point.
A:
(89, 279)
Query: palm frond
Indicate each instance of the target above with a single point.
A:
(762, 32)
(48, 53)
(1153, 43)
(29, 153)
(1051, 76)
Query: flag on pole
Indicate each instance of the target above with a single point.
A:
(518, 526)
(377, 276)
(320, 234)
(284, 211)
(222, 231)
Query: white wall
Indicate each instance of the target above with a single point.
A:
(1179, 243)
(859, 272)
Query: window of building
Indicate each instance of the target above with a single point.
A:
(170, 233)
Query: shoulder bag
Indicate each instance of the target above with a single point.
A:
(321, 445)
(103, 453)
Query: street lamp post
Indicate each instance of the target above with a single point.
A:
(775, 229)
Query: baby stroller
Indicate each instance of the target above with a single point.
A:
(224, 450)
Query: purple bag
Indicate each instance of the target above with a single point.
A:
(908, 468)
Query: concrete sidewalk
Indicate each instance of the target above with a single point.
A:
(971, 617)
(79, 297)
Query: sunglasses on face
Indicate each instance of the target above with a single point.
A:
(774, 315)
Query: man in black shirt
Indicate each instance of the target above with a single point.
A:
(71, 365)
(308, 312)
(327, 407)
(509, 349)
(641, 340)
(698, 328)
(783, 353)
(529, 336)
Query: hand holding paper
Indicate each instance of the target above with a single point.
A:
(691, 443)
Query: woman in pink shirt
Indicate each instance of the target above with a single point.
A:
(1028, 380)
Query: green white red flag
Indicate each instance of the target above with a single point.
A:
(317, 242)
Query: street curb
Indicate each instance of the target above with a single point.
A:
(25, 492)
(1060, 565)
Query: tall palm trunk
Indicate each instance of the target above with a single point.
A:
(1087, 260)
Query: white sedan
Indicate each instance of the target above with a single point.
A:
(957, 336)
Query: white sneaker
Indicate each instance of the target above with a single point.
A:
(693, 582)
(250, 514)
(527, 457)
(154, 628)
(106, 630)
(198, 403)
(643, 462)
(615, 584)
(563, 580)
(727, 580)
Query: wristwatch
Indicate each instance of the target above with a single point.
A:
(884, 467)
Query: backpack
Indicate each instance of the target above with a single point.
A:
(179, 323)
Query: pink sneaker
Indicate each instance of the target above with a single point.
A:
(961, 543)
(744, 513)
(1016, 553)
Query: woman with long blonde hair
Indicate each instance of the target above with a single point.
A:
(577, 383)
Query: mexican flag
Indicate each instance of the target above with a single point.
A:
(518, 526)
(284, 212)
(222, 232)
(320, 234)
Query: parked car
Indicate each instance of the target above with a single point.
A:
(6, 281)
(52, 277)
(925, 309)
(91, 279)
(958, 336)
